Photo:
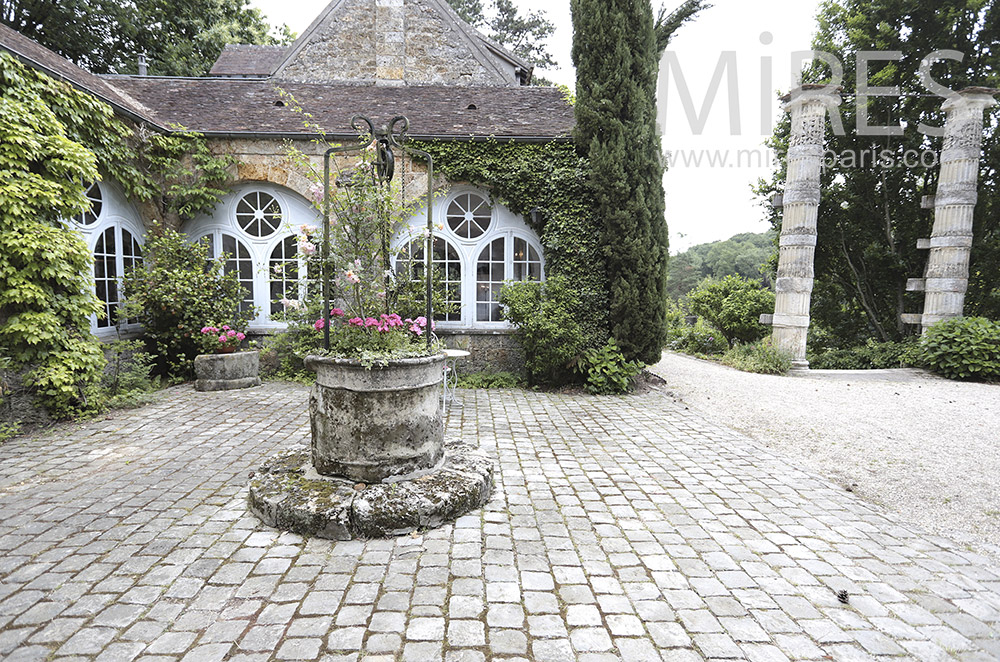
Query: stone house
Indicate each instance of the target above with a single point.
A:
(378, 58)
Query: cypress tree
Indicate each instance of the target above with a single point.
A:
(616, 57)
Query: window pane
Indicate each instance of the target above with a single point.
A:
(447, 267)
(469, 215)
(489, 279)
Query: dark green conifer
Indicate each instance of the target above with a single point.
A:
(616, 57)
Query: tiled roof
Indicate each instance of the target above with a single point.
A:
(57, 66)
(247, 60)
(234, 105)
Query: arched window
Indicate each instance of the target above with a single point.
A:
(479, 245)
(448, 266)
(109, 227)
(255, 225)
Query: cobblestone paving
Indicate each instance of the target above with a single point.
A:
(622, 528)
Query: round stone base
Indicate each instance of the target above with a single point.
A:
(287, 493)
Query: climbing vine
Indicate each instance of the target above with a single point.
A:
(552, 178)
(53, 140)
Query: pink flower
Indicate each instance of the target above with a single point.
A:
(416, 330)
(240, 336)
(370, 322)
(337, 312)
(319, 324)
(222, 339)
(356, 321)
(225, 328)
(304, 230)
(352, 277)
(307, 247)
(231, 333)
(209, 329)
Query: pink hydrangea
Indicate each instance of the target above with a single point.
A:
(356, 321)
(319, 324)
(337, 312)
(240, 336)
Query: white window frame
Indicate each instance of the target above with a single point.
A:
(504, 224)
(295, 211)
(117, 213)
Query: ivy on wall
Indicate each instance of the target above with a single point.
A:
(552, 178)
(53, 140)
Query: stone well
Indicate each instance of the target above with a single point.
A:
(378, 464)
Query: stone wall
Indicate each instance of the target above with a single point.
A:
(268, 161)
(492, 350)
(394, 43)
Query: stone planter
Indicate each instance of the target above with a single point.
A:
(373, 424)
(224, 372)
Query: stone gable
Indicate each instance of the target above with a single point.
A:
(395, 43)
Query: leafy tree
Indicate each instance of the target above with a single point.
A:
(46, 296)
(178, 37)
(870, 215)
(746, 255)
(524, 35)
(616, 58)
(733, 305)
(175, 292)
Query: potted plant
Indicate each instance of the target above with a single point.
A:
(222, 367)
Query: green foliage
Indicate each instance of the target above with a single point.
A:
(699, 339)
(761, 356)
(46, 296)
(872, 355)
(733, 305)
(607, 370)
(746, 255)
(175, 292)
(616, 58)
(963, 348)
(551, 178)
(186, 178)
(668, 24)
(870, 215)
(523, 35)
(9, 430)
(178, 37)
(548, 329)
(282, 354)
(126, 381)
(489, 380)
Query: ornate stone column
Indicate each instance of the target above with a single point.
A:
(808, 105)
(947, 274)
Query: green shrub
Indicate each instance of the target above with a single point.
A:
(126, 381)
(547, 328)
(699, 338)
(963, 348)
(733, 305)
(607, 371)
(9, 431)
(872, 355)
(489, 380)
(175, 292)
(761, 356)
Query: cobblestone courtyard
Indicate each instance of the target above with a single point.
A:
(621, 528)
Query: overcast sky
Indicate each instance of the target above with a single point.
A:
(704, 202)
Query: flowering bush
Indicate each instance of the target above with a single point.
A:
(222, 339)
(374, 315)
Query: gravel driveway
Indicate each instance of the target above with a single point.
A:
(923, 447)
